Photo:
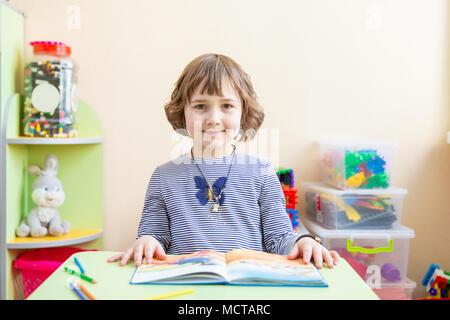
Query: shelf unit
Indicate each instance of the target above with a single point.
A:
(80, 171)
(80, 163)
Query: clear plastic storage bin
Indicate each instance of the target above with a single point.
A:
(357, 165)
(396, 291)
(353, 209)
(380, 257)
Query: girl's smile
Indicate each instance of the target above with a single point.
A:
(213, 132)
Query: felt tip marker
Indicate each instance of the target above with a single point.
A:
(79, 265)
(82, 276)
(78, 293)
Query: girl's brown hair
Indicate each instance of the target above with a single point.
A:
(210, 70)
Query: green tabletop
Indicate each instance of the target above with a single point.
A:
(113, 282)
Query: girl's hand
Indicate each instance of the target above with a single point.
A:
(145, 246)
(307, 247)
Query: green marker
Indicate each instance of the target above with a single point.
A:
(82, 276)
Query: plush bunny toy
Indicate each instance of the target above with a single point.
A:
(48, 195)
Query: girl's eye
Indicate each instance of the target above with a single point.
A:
(227, 106)
(200, 107)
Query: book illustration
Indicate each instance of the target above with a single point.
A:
(266, 261)
(246, 254)
(266, 265)
(200, 258)
(206, 257)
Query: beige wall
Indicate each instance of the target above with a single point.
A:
(363, 69)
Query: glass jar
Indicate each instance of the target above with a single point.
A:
(51, 93)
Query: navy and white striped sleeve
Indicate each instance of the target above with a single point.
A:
(154, 219)
(278, 235)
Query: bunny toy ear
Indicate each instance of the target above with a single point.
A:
(51, 165)
(35, 170)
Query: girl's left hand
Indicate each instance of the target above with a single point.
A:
(307, 247)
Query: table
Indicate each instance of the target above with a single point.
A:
(113, 284)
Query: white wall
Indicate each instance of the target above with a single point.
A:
(363, 69)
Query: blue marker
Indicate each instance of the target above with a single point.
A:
(78, 292)
(79, 265)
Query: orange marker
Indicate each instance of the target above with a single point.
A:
(86, 291)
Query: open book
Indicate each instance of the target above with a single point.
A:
(240, 267)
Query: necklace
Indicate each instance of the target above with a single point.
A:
(211, 195)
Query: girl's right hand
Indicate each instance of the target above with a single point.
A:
(145, 246)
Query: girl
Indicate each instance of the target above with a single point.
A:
(214, 198)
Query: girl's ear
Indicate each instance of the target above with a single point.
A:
(35, 170)
(51, 165)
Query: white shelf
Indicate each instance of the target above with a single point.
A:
(54, 141)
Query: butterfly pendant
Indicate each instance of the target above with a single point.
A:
(205, 194)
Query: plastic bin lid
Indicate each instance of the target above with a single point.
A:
(359, 144)
(394, 233)
(406, 284)
(322, 187)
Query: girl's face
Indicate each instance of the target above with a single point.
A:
(213, 121)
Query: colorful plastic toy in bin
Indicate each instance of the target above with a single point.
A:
(293, 215)
(437, 283)
(353, 209)
(51, 93)
(353, 165)
(286, 177)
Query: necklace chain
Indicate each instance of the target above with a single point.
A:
(210, 191)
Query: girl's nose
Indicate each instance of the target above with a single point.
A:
(214, 117)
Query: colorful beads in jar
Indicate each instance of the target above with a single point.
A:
(51, 93)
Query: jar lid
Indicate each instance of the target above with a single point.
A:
(53, 48)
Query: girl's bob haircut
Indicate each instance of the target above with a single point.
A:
(209, 70)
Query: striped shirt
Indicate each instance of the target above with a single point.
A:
(252, 215)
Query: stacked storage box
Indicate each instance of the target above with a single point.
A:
(357, 213)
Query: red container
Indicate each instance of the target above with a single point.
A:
(37, 265)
